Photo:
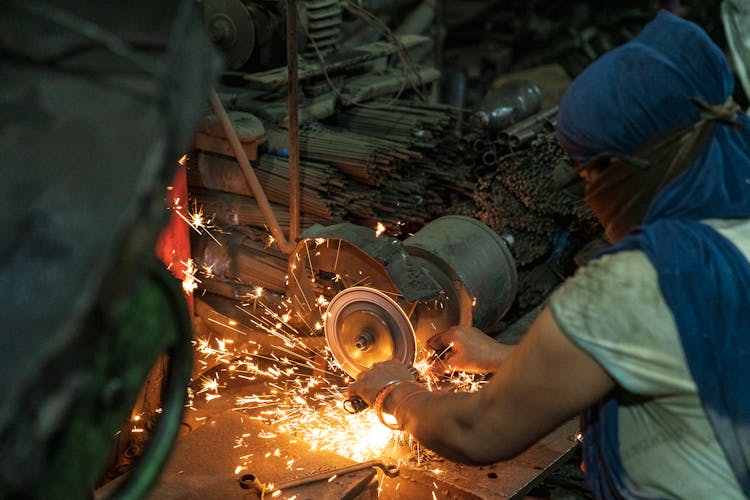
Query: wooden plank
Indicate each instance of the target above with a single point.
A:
(250, 130)
(510, 479)
(336, 62)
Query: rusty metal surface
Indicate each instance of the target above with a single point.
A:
(205, 464)
(510, 479)
(292, 96)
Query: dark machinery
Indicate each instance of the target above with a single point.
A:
(252, 34)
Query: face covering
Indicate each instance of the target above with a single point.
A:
(622, 187)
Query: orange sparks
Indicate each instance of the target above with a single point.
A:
(190, 283)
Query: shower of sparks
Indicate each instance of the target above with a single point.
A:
(194, 218)
(302, 400)
(304, 388)
(190, 282)
(208, 271)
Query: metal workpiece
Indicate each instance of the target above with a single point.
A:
(476, 260)
(526, 129)
(455, 270)
(204, 465)
(250, 481)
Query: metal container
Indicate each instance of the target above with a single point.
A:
(511, 102)
(477, 263)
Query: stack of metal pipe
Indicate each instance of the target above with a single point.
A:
(390, 162)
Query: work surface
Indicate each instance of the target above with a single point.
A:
(208, 462)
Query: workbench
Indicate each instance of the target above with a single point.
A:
(205, 464)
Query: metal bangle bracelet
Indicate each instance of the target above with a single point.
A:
(380, 398)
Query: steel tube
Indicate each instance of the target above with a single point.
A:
(292, 119)
(247, 170)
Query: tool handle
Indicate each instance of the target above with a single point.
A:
(355, 404)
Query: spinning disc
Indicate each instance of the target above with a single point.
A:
(364, 326)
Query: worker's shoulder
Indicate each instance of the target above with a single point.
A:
(735, 230)
(618, 289)
(624, 268)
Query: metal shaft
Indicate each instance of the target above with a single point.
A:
(247, 170)
(292, 120)
(388, 470)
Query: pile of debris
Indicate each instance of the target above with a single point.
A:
(545, 226)
(395, 163)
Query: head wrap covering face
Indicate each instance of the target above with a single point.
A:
(642, 90)
(630, 96)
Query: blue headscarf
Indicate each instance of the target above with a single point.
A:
(631, 95)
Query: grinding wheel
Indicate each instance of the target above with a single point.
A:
(364, 326)
(230, 26)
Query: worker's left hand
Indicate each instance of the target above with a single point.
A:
(468, 349)
(369, 383)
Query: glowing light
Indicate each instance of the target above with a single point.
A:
(190, 282)
(194, 218)
(379, 229)
(183, 160)
(305, 399)
(322, 301)
(208, 271)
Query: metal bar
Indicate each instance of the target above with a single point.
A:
(293, 117)
(251, 481)
(247, 170)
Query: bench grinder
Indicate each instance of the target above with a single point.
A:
(382, 298)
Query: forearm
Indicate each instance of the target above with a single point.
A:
(497, 357)
(546, 380)
(458, 426)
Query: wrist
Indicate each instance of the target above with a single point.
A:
(499, 356)
(401, 403)
(382, 395)
(394, 396)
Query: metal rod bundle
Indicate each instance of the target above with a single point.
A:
(525, 130)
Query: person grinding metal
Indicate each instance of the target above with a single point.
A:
(650, 341)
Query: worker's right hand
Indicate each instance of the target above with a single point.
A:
(465, 348)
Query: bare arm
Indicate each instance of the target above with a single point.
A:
(545, 380)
